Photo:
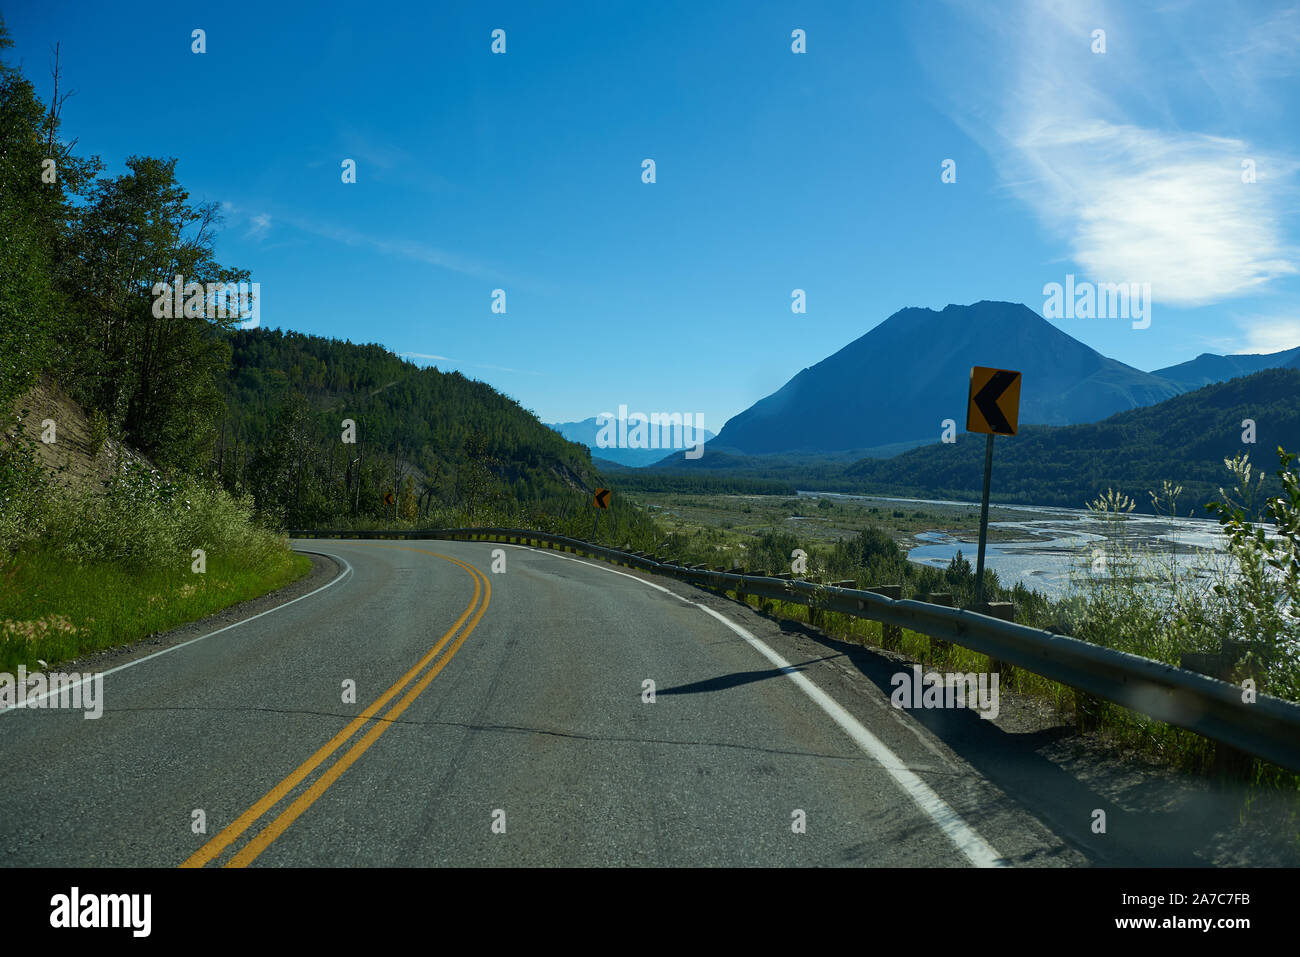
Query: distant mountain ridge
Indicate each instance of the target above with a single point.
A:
(1207, 368)
(586, 431)
(898, 382)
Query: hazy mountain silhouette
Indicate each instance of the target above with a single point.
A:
(585, 432)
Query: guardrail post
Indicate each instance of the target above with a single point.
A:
(815, 618)
(1006, 611)
(740, 587)
(1229, 763)
(845, 583)
(937, 645)
(891, 636)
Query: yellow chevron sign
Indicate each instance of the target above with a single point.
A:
(994, 405)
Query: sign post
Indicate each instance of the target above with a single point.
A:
(984, 524)
(993, 408)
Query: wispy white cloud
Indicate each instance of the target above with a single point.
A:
(1165, 208)
(508, 369)
(236, 217)
(1090, 143)
(405, 248)
(1265, 334)
(473, 365)
(260, 226)
(1258, 50)
(377, 155)
(1220, 344)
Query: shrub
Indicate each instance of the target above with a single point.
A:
(1262, 604)
(1123, 596)
(24, 495)
(140, 519)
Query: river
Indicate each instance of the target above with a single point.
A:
(1050, 541)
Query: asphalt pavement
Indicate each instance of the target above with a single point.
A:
(500, 718)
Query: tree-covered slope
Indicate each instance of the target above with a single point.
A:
(452, 440)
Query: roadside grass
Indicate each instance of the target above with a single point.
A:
(54, 609)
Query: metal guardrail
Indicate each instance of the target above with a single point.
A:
(1269, 727)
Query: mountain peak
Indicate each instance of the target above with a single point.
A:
(899, 381)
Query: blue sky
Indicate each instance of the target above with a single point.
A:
(775, 171)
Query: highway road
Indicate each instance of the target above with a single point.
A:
(501, 719)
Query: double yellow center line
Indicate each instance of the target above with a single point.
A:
(267, 835)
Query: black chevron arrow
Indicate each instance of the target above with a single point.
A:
(602, 498)
(986, 400)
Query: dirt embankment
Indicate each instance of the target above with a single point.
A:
(64, 438)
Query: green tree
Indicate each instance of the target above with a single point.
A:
(37, 171)
(155, 377)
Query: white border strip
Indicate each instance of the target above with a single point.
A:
(964, 837)
(347, 570)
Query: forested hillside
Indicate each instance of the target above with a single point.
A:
(437, 440)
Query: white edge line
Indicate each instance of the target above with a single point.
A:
(964, 837)
(166, 651)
